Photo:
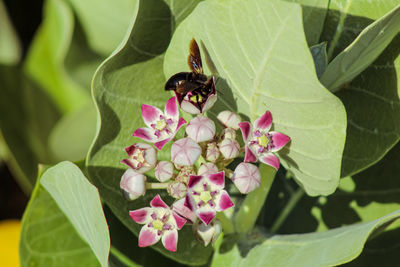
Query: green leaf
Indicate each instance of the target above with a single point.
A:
(27, 116)
(131, 77)
(314, 13)
(320, 60)
(72, 136)
(105, 23)
(269, 68)
(45, 59)
(370, 134)
(64, 222)
(333, 247)
(363, 51)
(10, 48)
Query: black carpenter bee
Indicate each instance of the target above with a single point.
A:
(194, 86)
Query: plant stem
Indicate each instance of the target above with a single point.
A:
(247, 215)
(286, 211)
(226, 223)
(156, 185)
(121, 257)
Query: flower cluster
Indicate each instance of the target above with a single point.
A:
(195, 174)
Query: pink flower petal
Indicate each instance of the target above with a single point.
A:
(181, 122)
(188, 202)
(245, 127)
(209, 102)
(225, 201)
(182, 209)
(147, 237)
(249, 155)
(170, 240)
(140, 215)
(271, 160)
(264, 122)
(171, 108)
(157, 202)
(159, 145)
(279, 140)
(206, 215)
(146, 134)
(150, 114)
(180, 221)
(193, 180)
(217, 178)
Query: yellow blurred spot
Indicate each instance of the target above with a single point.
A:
(9, 239)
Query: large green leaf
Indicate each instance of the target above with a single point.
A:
(258, 51)
(131, 77)
(64, 223)
(10, 48)
(27, 116)
(328, 248)
(372, 98)
(45, 59)
(363, 51)
(105, 24)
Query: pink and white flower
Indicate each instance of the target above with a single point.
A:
(206, 196)
(207, 233)
(161, 126)
(142, 157)
(260, 143)
(133, 184)
(194, 103)
(164, 171)
(229, 119)
(160, 222)
(185, 152)
(201, 129)
(246, 177)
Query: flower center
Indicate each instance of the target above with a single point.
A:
(138, 157)
(161, 124)
(263, 141)
(158, 224)
(205, 196)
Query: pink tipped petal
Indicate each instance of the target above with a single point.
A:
(271, 160)
(128, 163)
(171, 108)
(217, 178)
(193, 180)
(225, 201)
(188, 203)
(264, 122)
(170, 240)
(182, 209)
(145, 134)
(181, 122)
(161, 144)
(140, 215)
(206, 216)
(279, 140)
(245, 127)
(157, 202)
(180, 221)
(249, 155)
(150, 114)
(189, 107)
(147, 237)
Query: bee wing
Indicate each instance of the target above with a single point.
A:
(194, 59)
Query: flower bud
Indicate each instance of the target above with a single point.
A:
(246, 177)
(229, 119)
(229, 133)
(229, 148)
(133, 184)
(177, 190)
(142, 157)
(185, 152)
(212, 152)
(201, 129)
(164, 171)
(207, 233)
(207, 168)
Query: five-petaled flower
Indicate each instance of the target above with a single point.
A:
(260, 143)
(160, 222)
(142, 157)
(162, 126)
(206, 195)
